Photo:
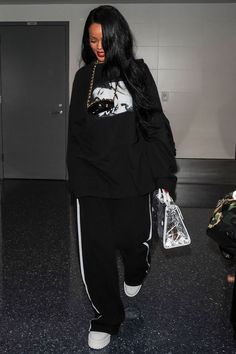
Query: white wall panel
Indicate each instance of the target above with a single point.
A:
(179, 80)
(183, 103)
(139, 13)
(179, 27)
(150, 56)
(145, 34)
(179, 57)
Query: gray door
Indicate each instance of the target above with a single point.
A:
(34, 90)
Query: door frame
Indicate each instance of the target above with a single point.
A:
(65, 24)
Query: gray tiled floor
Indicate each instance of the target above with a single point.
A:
(183, 306)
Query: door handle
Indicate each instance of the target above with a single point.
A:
(57, 112)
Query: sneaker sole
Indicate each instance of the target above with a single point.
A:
(96, 344)
(131, 295)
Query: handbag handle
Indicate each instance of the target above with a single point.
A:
(91, 86)
(164, 196)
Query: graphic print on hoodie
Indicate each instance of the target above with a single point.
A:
(123, 101)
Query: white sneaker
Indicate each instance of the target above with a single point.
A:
(98, 340)
(131, 290)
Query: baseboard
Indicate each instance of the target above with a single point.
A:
(207, 171)
(201, 195)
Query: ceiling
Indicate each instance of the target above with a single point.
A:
(37, 2)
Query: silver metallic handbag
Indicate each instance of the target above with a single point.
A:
(170, 224)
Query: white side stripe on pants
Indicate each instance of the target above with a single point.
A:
(81, 256)
(150, 232)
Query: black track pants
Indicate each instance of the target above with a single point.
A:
(105, 225)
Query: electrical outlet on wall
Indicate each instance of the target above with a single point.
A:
(165, 96)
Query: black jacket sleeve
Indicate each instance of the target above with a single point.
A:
(160, 145)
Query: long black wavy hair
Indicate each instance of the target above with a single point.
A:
(117, 42)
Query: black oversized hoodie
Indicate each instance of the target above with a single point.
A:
(110, 155)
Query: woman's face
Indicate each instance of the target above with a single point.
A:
(95, 41)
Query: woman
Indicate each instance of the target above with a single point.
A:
(120, 148)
